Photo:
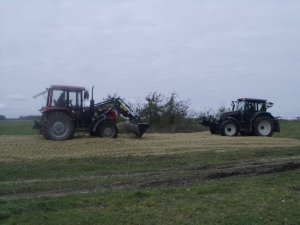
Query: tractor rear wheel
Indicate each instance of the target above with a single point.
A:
(263, 126)
(43, 127)
(229, 128)
(59, 126)
(107, 129)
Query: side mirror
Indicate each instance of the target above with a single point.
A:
(269, 104)
(86, 95)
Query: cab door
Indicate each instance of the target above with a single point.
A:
(75, 104)
(250, 110)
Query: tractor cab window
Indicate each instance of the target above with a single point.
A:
(251, 106)
(59, 98)
(240, 106)
(74, 99)
(261, 106)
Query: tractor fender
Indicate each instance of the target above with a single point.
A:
(98, 123)
(232, 119)
(51, 110)
(258, 114)
(110, 116)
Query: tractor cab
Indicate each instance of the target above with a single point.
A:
(68, 97)
(249, 104)
(245, 108)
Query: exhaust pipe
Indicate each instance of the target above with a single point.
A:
(92, 102)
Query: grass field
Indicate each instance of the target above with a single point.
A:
(191, 178)
(17, 127)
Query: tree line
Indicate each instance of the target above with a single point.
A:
(167, 113)
(164, 113)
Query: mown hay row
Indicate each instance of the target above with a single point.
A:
(35, 147)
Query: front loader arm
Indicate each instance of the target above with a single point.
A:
(125, 110)
(120, 106)
(134, 125)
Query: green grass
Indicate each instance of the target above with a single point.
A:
(24, 127)
(118, 165)
(17, 127)
(257, 199)
(265, 199)
(66, 175)
(289, 129)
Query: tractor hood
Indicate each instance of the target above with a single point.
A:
(233, 114)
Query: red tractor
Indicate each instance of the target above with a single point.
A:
(65, 113)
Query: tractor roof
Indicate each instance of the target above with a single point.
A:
(252, 99)
(66, 87)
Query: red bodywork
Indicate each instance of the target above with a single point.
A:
(59, 87)
(110, 114)
(67, 87)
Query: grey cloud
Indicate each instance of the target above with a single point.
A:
(16, 97)
(208, 51)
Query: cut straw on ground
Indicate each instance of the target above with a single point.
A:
(34, 147)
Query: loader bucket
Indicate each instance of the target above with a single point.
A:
(137, 128)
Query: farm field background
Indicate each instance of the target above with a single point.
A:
(183, 178)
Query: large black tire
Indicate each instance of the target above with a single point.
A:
(43, 127)
(263, 126)
(107, 129)
(229, 128)
(58, 127)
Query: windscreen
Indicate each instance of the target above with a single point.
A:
(239, 106)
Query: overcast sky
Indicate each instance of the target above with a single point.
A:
(207, 51)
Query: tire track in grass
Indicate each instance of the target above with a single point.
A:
(159, 178)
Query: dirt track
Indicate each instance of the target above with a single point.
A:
(20, 148)
(160, 178)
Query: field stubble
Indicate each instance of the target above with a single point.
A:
(34, 147)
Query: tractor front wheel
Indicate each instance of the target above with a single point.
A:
(229, 128)
(263, 126)
(107, 129)
(59, 126)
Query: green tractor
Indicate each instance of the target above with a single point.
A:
(248, 117)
